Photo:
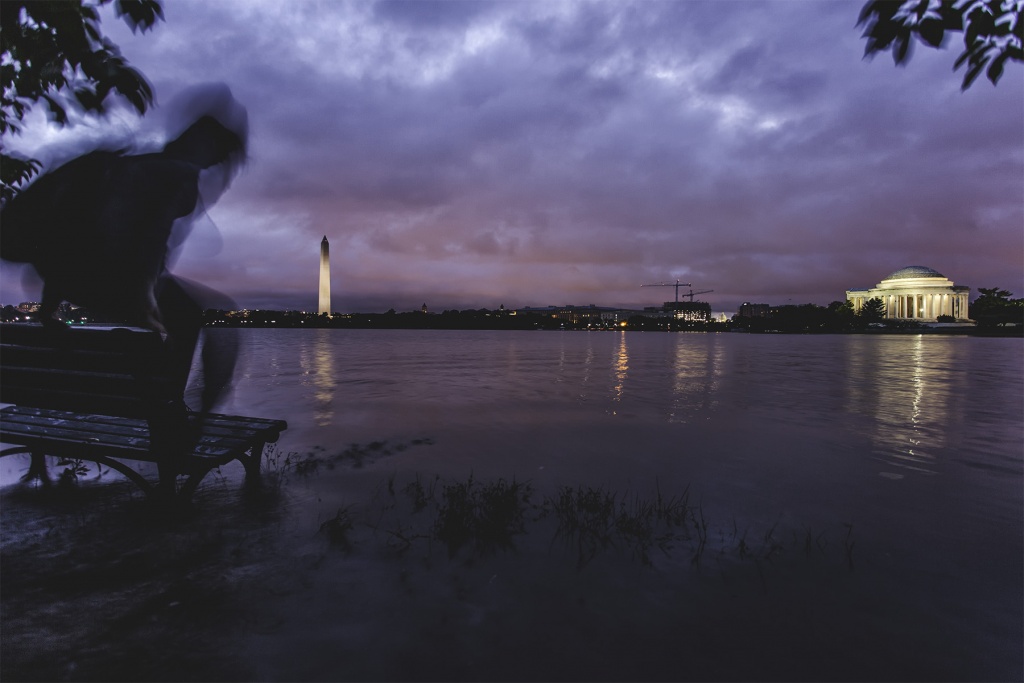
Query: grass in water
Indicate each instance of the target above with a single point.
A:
(479, 518)
(474, 518)
(486, 516)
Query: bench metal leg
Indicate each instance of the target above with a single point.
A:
(252, 463)
(192, 483)
(37, 469)
(127, 471)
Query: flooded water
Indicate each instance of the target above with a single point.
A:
(856, 512)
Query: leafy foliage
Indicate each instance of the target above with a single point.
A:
(873, 310)
(995, 307)
(54, 53)
(993, 31)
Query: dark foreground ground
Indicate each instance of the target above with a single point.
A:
(423, 580)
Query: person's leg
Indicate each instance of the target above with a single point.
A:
(171, 434)
(219, 354)
(182, 318)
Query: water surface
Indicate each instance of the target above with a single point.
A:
(900, 456)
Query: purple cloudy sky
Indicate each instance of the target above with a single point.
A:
(471, 154)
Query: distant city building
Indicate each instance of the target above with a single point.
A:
(749, 310)
(689, 311)
(679, 311)
(578, 314)
(915, 293)
(325, 277)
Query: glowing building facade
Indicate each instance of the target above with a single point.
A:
(324, 305)
(915, 293)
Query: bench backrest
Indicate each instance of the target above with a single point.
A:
(103, 370)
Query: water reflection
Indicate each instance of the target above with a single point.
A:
(588, 364)
(696, 372)
(317, 360)
(910, 391)
(620, 368)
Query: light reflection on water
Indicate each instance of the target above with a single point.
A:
(904, 405)
(621, 365)
(911, 396)
(913, 399)
(914, 442)
(317, 361)
(696, 373)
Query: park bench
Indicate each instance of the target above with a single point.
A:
(104, 394)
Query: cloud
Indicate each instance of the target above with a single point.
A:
(536, 153)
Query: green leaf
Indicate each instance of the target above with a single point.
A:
(973, 72)
(139, 14)
(995, 70)
(901, 51)
(931, 32)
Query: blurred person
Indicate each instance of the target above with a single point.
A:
(99, 231)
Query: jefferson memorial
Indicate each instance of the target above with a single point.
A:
(915, 293)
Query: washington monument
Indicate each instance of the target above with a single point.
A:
(325, 277)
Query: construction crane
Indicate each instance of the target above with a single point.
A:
(692, 293)
(677, 285)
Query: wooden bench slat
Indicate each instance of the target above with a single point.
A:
(86, 392)
(74, 448)
(38, 434)
(107, 422)
(262, 428)
(91, 427)
(114, 434)
(216, 418)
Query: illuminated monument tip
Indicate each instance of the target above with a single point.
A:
(325, 277)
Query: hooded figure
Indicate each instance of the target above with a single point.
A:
(97, 231)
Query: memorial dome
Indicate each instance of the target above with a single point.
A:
(915, 293)
(913, 272)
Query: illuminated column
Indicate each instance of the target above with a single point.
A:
(325, 278)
